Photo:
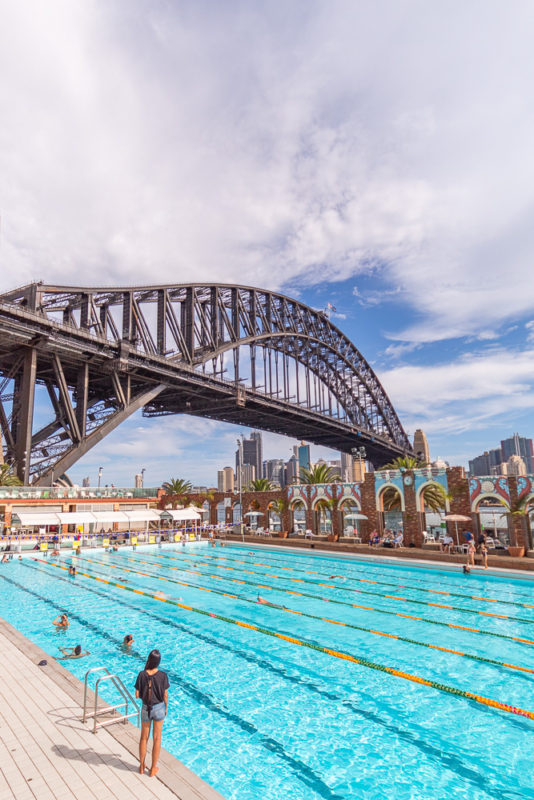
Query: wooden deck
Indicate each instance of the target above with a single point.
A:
(47, 753)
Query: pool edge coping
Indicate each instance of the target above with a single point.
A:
(173, 774)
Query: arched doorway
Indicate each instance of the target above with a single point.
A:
(432, 504)
(274, 518)
(493, 520)
(390, 502)
(221, 513)
(298, 516)
(322, 516)
(350, 524)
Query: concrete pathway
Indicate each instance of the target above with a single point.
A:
(47, 753)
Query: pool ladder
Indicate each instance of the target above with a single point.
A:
(99, 711)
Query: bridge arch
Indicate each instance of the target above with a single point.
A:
(232, 353)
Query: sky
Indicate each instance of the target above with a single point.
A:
(372, 155)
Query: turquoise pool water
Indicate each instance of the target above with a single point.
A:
(261, 717)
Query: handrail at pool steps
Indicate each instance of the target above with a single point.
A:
(99, 711)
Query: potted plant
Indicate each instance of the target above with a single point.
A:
(517, 509)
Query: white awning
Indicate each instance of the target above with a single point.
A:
(182, 513)
(110, 516)
(76, 517)
(143, 515)
(27, 520)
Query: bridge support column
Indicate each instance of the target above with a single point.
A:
(369, 508)
(23, 428)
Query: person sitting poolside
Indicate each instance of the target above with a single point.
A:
(61, 622)
(374, 539)
(447, 543)
(73, 652)
(398, 540)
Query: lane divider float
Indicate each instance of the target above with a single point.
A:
(363, 662)
(405, 639)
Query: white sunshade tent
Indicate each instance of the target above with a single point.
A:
(76, 517)
(28, 520)
(142, 515)
(182, 513)
(107, 517)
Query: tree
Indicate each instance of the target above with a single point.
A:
(319, 473)
(391, 499)
(404, 462)
(321, 507)
(519, 509)
(260, 485)
(177, 492)
(8, 477)
(435, 497)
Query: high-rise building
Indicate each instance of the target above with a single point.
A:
(292, 470)
(273, 470)
(519, 446)
(225, 480)
(516, 466)
(420, 446)
(248, 474)
(252, 453)
(486, 463)
(303, 455)
(347, 470)
(138, 481)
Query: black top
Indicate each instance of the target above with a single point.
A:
(160, 682)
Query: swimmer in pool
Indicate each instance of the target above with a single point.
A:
(73, 652)
(263, 602)
(61, 622)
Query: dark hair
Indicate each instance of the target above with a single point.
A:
(77, 649)
(152, 662)
(128, 638)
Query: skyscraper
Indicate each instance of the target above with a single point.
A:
(252, 454)
(225, 480)
(273, 470)
(519, 446)
(347, 471)
(303, 455)
(420, 446)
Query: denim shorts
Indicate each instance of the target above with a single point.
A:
(156, 715)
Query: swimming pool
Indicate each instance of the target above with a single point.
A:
(258, 716)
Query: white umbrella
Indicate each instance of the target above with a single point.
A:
(456, 518)
(254, 514)
(355, 516)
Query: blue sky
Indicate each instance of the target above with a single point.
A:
(376, 156)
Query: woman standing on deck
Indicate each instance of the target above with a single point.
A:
(152, 687)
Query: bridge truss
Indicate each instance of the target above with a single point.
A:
(231, 353)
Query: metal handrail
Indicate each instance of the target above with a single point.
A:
(123, 691)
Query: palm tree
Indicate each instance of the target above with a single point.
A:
(518, 509)
(260, 485)
(177, 486)
(404, 462)
(8, 477)
(435, 497)
(391, 499)
(319, 473)
(177, 492)
(321, 507)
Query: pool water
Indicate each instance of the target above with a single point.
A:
(257, 716)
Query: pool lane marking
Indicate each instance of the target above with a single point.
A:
(375, 594)
(522, 640)
(382, 574)
(347, 577)
(480, 699)
(471, 656)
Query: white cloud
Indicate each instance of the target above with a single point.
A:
(155, 142)
(469, 393)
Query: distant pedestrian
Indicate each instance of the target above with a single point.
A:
(484, 553)
(471, 553)
(152, 687)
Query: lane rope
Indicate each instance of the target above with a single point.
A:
(505, 636)
(364, 580)
(442, 687)
(461, 609)
(471, 656)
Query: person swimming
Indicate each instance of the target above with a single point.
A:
(263, 602)
(73, 652)
(61, 622)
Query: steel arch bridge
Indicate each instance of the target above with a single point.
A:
(232, 353)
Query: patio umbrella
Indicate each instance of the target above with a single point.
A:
(254, 514)
(456, 518)
(355, 516)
